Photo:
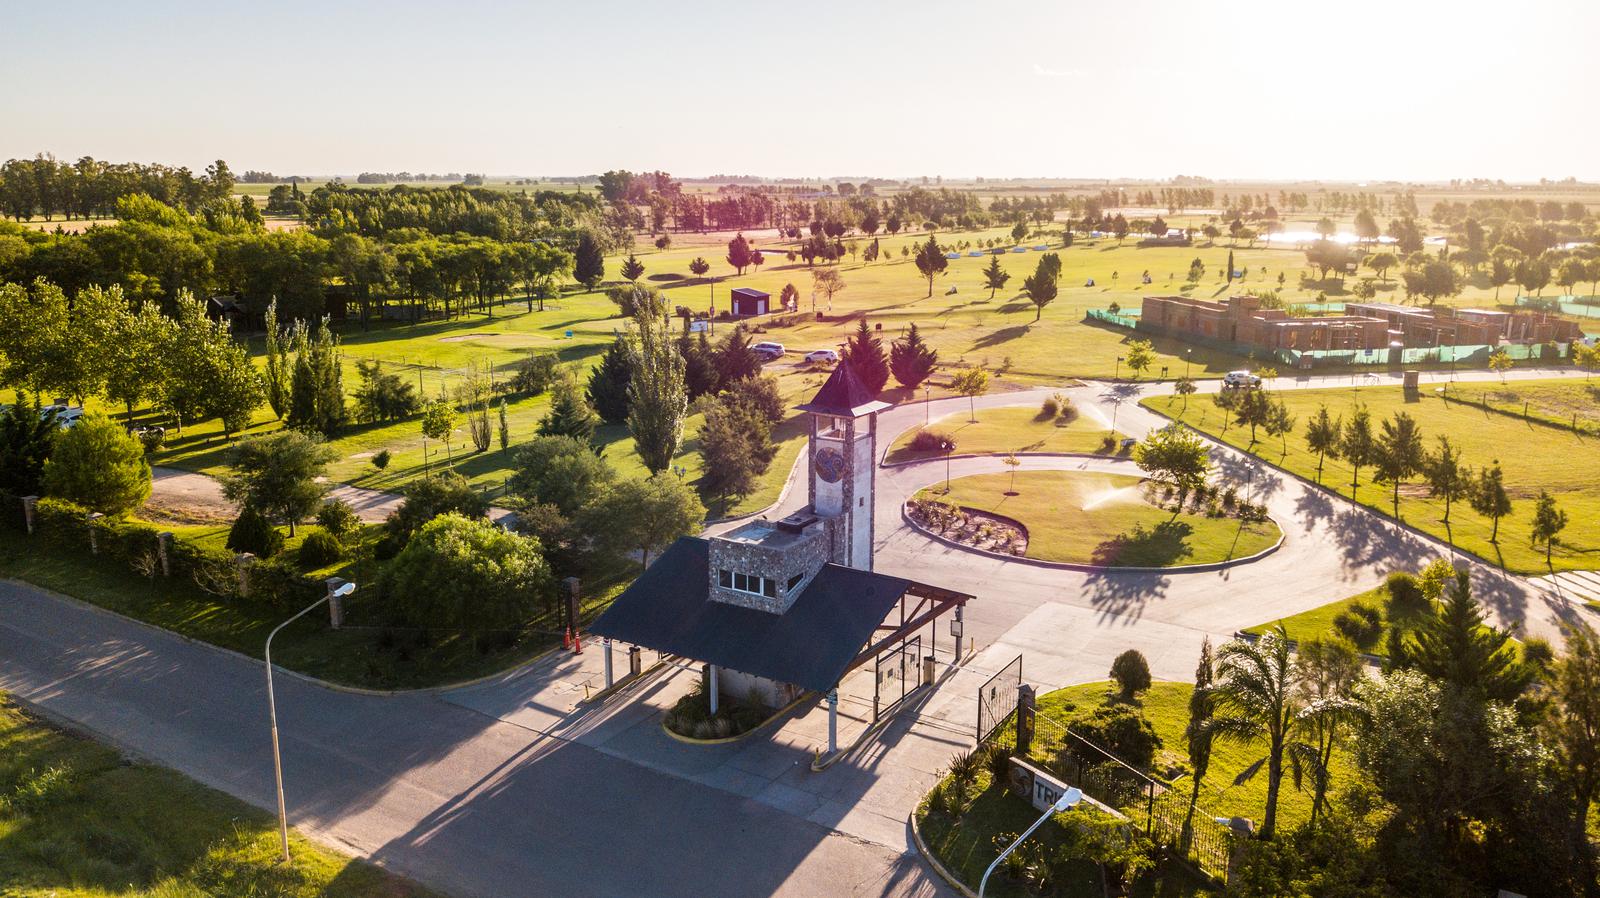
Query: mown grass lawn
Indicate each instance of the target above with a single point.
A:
(1000, 430)
(1094, 518)
(77, 821)
(1534, 456)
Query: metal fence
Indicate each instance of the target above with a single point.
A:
(1162, 809)
(1110, 317)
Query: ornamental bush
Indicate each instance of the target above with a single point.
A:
(253, 533)
(98, 465)
(320, 549)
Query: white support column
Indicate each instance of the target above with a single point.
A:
(713, 688)
(609, 680)
(833, 720)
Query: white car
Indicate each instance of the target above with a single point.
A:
(1240, 379)
(826, 356)
(775, 350)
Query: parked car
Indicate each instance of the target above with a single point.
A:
(1240, 379)
(769, 348)
(67, 416)
(824, 356)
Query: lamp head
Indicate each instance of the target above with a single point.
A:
(341, 588)
(1068, 799)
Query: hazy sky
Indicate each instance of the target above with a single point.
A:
(1353, 90)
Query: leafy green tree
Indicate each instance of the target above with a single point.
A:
(1323, 434)
(505, 426)
(541, 266)
(1279, 422)
(931, 262)
(281, 475)
(863, 352)
(559, 471)
(1380, 263)
(645, 515)
(1489, 498)
(1400, 454)
(736, 448)
(1175, 455)
(1572, 727)
(1251, 407)
(383, 395)
(995, 277)
(1131, 672)
(1454, 645)
(1256, 700)
(608, 381)
(589, 261)
(136, 345)
(971, 383)
(465, 574)
(569, 415)
(658, 395)
(1448, 478)
(739, 255)
(439, 421)
(760, 395)
(911, 359)
(429, 497)
(698, 266)
(253, 532)
(1548, 521)
(828, 282)
(1357, 444)
(27, 434)
(316, 386)
(278, 366)
(98, 465)
(1500, 362)
(1141, 355)
(699, 364)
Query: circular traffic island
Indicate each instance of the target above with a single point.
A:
(1092, 519)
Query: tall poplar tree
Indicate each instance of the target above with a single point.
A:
(658, 396)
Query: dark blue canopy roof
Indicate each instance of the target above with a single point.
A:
(669, 609)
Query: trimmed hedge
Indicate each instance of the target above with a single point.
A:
(65, 526)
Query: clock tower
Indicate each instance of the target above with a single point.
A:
(843, 464)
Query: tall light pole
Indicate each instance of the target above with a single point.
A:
(948, 448)
(1116, 403)
(335, 590)
(1187, 353)
(1068, 800)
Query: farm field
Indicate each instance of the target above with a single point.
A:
(1104, 519)
(1533, 455)
(82, 822)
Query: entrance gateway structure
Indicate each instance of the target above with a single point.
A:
(781, 608)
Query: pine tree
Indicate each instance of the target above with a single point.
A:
(735, 360)
(632, 268)
(863, 352)
(608, 382)
(316, 388)
(911, 359)
(569, 415)
(589, 264)
(657, 397)
(505, 427)
(1489, 497)
(699, 364)
(1230, 266)
(994, 277)
(1455, 645)
(931, 261)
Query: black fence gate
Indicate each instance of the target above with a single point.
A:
(896, 675)
(997, 698)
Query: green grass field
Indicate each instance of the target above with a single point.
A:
(1317, 623)
(1000, 430)
(1533, 455)
(77, 821)
(1093, 518)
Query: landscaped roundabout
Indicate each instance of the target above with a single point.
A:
(1091, 518)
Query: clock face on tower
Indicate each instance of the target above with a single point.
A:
(829, 464)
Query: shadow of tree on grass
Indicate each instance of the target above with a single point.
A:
(1165, 543)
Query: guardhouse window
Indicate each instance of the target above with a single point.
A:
(749, 583)
(793, 582)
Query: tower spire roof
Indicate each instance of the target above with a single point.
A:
(843, 395)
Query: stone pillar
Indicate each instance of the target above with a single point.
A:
(609, 679)
(164, 552)
(242, 563)
(712, 690)
(336, 601)
(928, 668)
(94, 532)
(833, 720)
(29, 503)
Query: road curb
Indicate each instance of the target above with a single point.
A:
(930, 859)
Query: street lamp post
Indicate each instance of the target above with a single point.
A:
(1068, 800)
(335, 590)
(1187, 352)
(949, 448)
(927, 396)
(1116, 403)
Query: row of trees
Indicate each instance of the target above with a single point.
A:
(89, 188)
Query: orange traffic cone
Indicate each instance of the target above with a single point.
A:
(566, 638)
(577, 643)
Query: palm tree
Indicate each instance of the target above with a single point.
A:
(1328, 672)
(1256, 700)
